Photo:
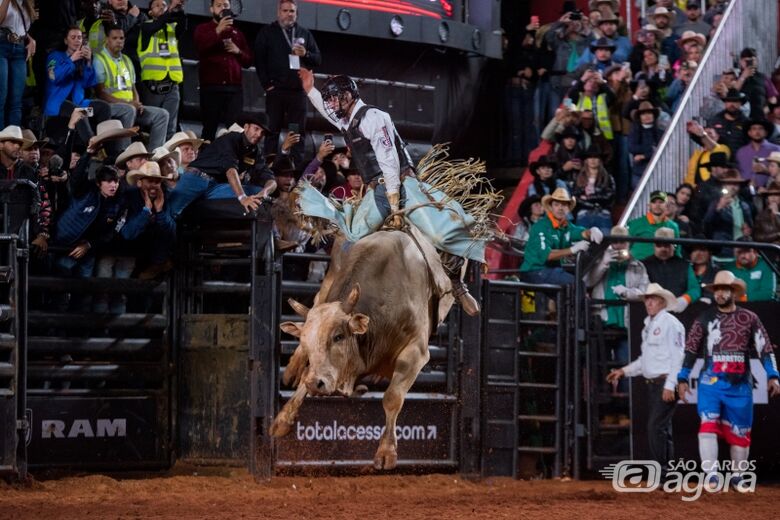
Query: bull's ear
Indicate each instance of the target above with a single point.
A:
(352, 299)
(292, 328)
(358, 323)
(299, 308)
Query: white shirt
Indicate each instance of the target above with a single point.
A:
(14, 20)
(377, 126)
(663, 349)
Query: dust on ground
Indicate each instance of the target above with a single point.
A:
(232, 493)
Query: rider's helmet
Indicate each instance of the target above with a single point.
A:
(336, 87)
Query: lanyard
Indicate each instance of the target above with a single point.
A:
(289, 40)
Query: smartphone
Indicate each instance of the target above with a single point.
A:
(327, 137)
(294, 128)
(568, 103)
(88, 111)
(663, 61)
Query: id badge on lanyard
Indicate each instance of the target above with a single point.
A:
(165, 51)
(294, 59)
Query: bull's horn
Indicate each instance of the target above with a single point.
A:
(299, 308)
(352, 299)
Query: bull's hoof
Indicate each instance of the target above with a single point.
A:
(386, 458)
(280, 427)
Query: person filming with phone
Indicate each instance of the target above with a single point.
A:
(69, 76)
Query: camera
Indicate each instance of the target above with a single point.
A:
(327, 137)
(575, 15)
(226, 13)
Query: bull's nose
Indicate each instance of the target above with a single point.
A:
(321, 385)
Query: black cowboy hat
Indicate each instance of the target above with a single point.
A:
(545, 160)
(283, 167)
(769, 128)
(734, 95)
(720, 159)
(602, 43)
(259, 119)
(592, 151)
(568, 131)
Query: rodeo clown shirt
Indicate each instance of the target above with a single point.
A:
(728, 338)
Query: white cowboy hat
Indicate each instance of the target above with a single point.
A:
(663, 11)
(148, 170)
(655, 289)
(161, 152)
(113, 129)
(774, 157)
(32, 141)
(561, 195)
(692, 35)
(235, 127)
(180, 138)
(13, 133)
(727, 278)
(136, 149)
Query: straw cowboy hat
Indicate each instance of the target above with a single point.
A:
(687, 36)
(32, 141)
(136, 149)
(561, 195)
(727, 279)
(663, 11)
(609, 17)
(13, 133)
(654, 289)
(180, 138)
(161, 153)
(774, 157)
(112, 129)
(651, 28)
(594, 4)
(148, 170)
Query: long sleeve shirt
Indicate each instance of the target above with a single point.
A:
(663, 350)
(218, 67)
(376, 126)
(727, 340)
(273, 47)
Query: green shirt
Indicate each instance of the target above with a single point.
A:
(760, 280)
(543, 237)
(616, 275)
(642, 227)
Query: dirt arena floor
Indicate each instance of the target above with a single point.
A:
(189, 494)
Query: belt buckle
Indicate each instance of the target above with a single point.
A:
(13, 37)
(164, 88)
(380, 180)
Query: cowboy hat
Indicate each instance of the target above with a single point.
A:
(609, 17)
(663, 11)
(561, 195)
(773, 188)
(651, 28)
(602, 43)
(727, 279)
(259, 119)
(720, 159)
(654, 289)
(545, 160)
(664, 232)
(592, 152)
(568, 131)
(112, 129)
(594, 4)
(734, 95)
(136, 149)
(618, 231)
(161, 153)
(644, 107)
(148, 170)
(774, 157)
(13, 133)
(32, 141)
(180, 138)
(283, 166)
(732, 176)
(769, 128)
(692, 35)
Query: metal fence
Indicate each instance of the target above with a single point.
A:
(746, 23)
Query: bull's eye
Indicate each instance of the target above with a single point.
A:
(338, 337)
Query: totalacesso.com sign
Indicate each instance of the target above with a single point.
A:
(346, 430)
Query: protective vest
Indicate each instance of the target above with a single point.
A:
(161, 59)
(602, 112)
(363, 153)
(119, 76)
(96, 35)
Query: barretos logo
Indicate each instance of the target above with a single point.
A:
(682, 476)
(83, 428)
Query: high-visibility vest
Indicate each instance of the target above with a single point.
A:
(601, 112)
(97, 37)
(113, 71)
(155, 66)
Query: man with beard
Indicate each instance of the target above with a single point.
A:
(728, 336)
(730, 122)
(759, 277)
(647, 225)
(754, 84)
(281, 48)
(751, 158)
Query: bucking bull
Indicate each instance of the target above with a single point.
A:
(373, 315)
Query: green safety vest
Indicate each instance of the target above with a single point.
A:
(97, 37)
(602, 112)
(154, 65)
(113, 72)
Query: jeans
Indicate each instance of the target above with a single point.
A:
(285, 107)
(13, 74)
(152, 118)
(601, 219)
(70, 267)
(192, 186)
(548, 275)
(659, 425)
(382, 204)
(169, 101)
(110, 266)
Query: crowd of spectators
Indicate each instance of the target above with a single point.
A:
(90, 116)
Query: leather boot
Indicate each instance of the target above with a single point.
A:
(452, 266)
